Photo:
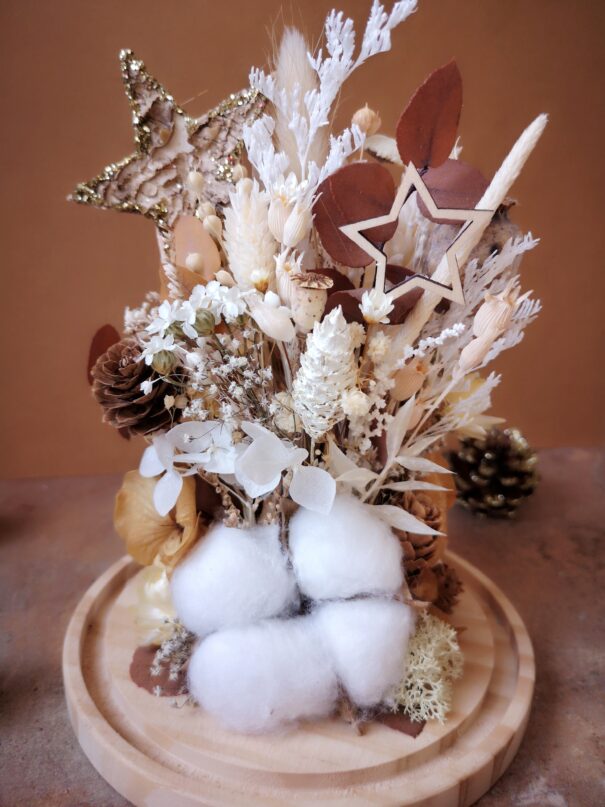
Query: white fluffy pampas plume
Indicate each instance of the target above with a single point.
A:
(233, 577)
(347, 552)
(328, 370)
(259, 677)
(248, 241)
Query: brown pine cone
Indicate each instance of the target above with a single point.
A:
(117, 378)
(449, 587)
(428, 577)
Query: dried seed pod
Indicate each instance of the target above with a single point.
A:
(476, 350)
(307, 306)
(367, 119)
(495, 314)
(312, 280)
(225, 278)
(408, 380)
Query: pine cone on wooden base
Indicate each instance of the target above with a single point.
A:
(429, 578)
(117, 378)
(494, 473)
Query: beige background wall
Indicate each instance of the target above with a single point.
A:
(66, 270)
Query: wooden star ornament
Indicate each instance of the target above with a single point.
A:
(445, 282)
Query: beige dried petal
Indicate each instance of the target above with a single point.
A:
(476, 350)
(148, 535)
(278, 214)
(297, 226)
(408, 380)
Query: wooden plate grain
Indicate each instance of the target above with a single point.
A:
(157, 755)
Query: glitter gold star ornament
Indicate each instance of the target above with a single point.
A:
(169, 145)
(445, 281)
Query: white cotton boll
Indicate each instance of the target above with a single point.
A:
(233, 577)
(261, 677)
(347, 552)
(367, 640)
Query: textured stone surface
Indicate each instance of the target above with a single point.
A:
(56, 538)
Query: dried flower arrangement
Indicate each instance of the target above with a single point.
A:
(319, 330)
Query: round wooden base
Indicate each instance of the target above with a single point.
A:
(160, 756)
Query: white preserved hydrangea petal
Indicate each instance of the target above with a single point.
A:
(258, 469)
(313, 488)
(167, 491)
(273, 320)
(150, 464)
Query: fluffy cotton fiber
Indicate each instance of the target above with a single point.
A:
(347, 552)
(233, 577)
(367, 641)
(258, 678)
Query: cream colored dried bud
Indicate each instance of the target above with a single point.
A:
(225, 278)
(495, 314)
(279, 211)
(408, 380)
(195, 262)
(297, 226)
(476, 350)
(195, 182)
(206, 209)
(214, 226)
(239, 172)
(367, 119)
(245, 186)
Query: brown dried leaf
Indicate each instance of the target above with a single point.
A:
(103, 339)
(349, 300)
(455, 185)
(353, 193)
(427, 128)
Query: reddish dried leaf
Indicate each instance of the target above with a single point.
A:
(401, 722)
(353, 193)
(103, 339)
(455, 185)
(427, 128)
